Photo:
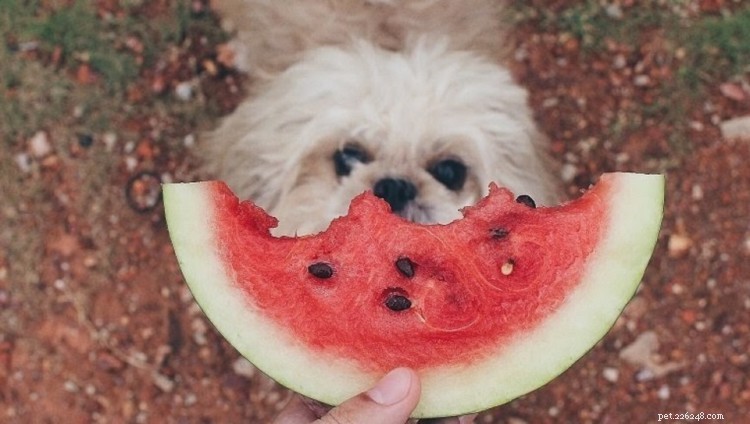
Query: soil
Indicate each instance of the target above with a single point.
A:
(97, 325)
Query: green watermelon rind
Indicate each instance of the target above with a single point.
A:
(610, 278)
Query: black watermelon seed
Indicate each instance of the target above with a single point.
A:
(397, 302)
(405, 266)
(320, 270)
(498, 233)
(526, 200)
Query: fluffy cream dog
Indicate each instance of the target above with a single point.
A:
(407, 98)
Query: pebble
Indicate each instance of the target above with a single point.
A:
(243, 367)
(620, 61)
(550, 102)
(736, 128)
(640, 350)
(611, 374)
(697, 192)
(645, 374)
(131, 163)
(568, 172)
(614, 11)
(70, 386)
(733, 91)
(678, 245)
(23, 161)
(553, 411)
(190, 399)
(642, 80)
(90, 389)
(663, 392)
(110, 140)
(163, 382)
(39, 145)
(189, 141)
(184, 91)
(199, 331)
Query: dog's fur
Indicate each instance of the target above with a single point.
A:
(411, 82)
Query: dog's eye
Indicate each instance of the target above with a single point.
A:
(345, 158)
(450, 172)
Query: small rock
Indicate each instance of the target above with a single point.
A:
(678, 245)
(611, 374)
(568, 172)
(639, 352)
(614, 11)
(162, 382)
(620, 62)
(199, 331)
(189, 141)
(110, 140)
(244, 368)
(131, 163)
(190, 399)
(23, 161)
(70, 386)
(697, 192)
(550, 102)
(184, 91)
(90, 389)
(663, 392)
(645, 374)
(39, 145)
(733, 91)
(736, 128)
(642, 80)
(696, 126)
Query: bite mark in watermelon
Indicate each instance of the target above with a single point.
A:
(486, 308)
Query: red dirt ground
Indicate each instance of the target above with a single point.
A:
(98, 326)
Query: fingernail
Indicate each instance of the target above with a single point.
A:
(392, 388)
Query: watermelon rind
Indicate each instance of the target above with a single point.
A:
(611, 275)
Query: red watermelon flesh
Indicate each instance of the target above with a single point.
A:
(459, 295)
(485, 308)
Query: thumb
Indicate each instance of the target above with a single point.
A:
(390, 401)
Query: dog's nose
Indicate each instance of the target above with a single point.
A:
(397, 192)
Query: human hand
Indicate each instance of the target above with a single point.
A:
(390, 401)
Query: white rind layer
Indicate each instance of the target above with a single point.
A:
(610, 278)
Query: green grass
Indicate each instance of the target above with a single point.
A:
(37, 93)
(593, 23)
(705, 51)
(718, 48)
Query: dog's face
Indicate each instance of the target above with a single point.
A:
(426, 130)
(424, 180)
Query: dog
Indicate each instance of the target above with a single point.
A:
(407, 98)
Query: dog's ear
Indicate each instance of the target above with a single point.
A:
(248, 153)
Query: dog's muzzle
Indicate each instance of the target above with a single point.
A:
(397, 192)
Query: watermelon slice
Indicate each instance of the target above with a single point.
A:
(485, 308)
